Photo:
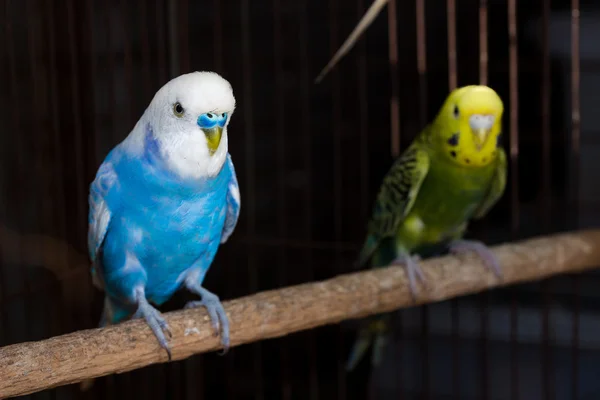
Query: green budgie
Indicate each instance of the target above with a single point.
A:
(454, 171)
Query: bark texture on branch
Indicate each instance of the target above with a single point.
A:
(34, 366)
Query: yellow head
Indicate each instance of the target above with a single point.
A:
(469, 125)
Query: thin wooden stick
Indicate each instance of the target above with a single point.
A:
(34, 366)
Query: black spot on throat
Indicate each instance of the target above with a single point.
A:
(453, 140)
(453, 153)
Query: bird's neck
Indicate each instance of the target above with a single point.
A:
(185, 157)
(188, 157)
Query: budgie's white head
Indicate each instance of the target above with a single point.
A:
(189, 116)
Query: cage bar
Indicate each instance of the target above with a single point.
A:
(250, 174)
(546, 141)
(483, 42)
(286, 389)
(451, 20)
(307, 123)
(394, 77)
(575, 164)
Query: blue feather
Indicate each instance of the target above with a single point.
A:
(161, 227)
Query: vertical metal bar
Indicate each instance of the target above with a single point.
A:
(111, 74)
(4, 323)
(115, 136)
(20, 149)
(248, 114)
(251, 176)
(218, 36)
(483, 42)
(452, 84)
(575, 80)
(451, 16)
(131, 118)
(514, 348)
(43, 211)
(422, 61)
(286, 390)
(34, 85)
(363, 120)
(484, 309)
(92, 54)
(308, 210)
(514, 174)
(145, 41)
(91, 49)
(456, 344)
(337, 180)
(575, 157)
(394, 77)
(547, 359)
(546, 93)
(161, 42)
(514, 110)
(575, 116)
(422, 72)
(174, 59)
(484, 301)
(182, 20)
(33, 151)
(395, 134)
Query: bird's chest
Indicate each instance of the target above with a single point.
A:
(182, 225)
(168, 234)
(170, 224)
(448, 199)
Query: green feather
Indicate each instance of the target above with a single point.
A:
(496, 188)
(431, 192)
(396, 198)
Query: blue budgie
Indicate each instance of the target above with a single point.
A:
(162, 202)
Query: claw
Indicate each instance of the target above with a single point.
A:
(413, 270)
(489, 259)
(155, 321)
(216, 312)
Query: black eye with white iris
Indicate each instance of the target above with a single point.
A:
(456, 113)
(178, 110)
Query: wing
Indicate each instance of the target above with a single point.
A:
(496, 188)
(396, 197)
(100, 213)
(362, 25)
(233, 204)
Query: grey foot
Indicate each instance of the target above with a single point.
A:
(489, 259)
(413, 270)
(216, 312)
(155, 321)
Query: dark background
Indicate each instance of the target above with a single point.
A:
(76, 75)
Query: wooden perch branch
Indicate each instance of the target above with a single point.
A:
(34, 366)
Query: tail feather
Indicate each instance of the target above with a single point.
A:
(366, 252)
(376, 332)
